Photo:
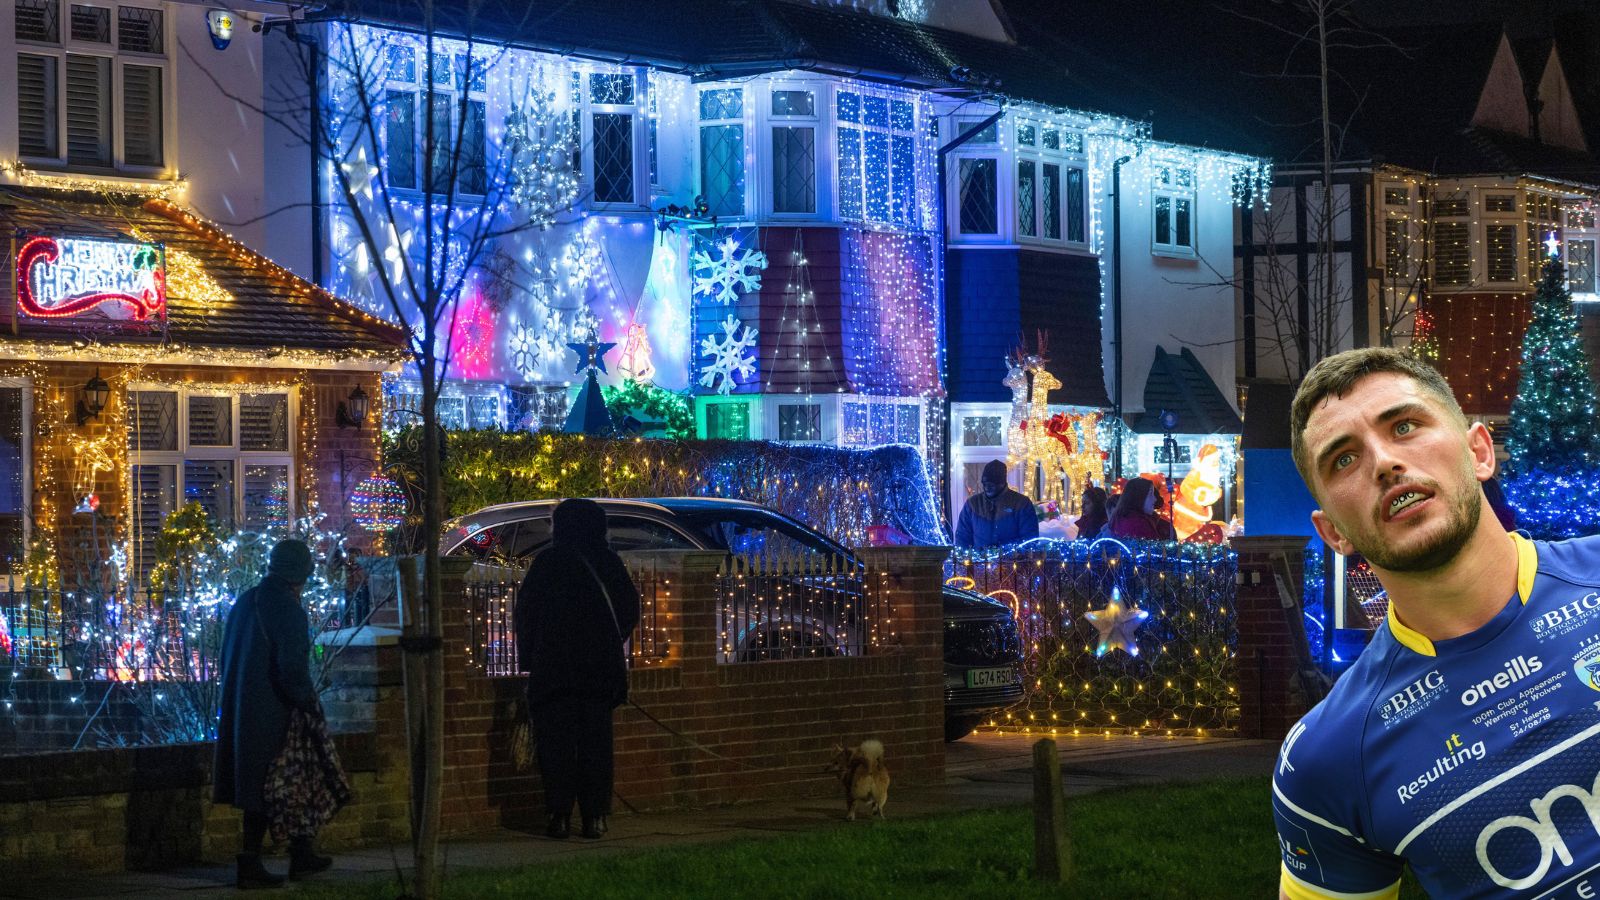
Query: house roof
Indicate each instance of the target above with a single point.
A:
(1179, 383)
(714, 39)
(220, 294)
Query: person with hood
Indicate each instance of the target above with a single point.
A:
(996, 515)
(1094, 512)
(1135, 514)
(575, 610)
(266, 678)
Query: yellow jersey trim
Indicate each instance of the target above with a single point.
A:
(1296, 889)
(1527, 568)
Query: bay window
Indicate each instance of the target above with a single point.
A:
(1050, 185)
(877, 156)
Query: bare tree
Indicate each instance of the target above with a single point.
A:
(412, 225)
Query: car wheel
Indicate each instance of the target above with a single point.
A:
(958, 727)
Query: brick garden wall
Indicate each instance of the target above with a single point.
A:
(1268, 706)
(770, 724)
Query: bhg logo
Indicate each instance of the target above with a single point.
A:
(1419, 691)
(1582, 608)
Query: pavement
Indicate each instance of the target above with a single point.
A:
(982, 771)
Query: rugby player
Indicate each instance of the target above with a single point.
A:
(1465, 741)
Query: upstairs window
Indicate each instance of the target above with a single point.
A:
(1172, 204)
(1543, 217)
(1051, 175)
(90, 90)
(1452, 254)
(722, 150)
(877, 158)
(1501, 256)
(794, 151)
(455, 92)
(613, 107)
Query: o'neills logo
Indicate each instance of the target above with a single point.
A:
(1514, 671)
(1504, 862)
(1412, 694)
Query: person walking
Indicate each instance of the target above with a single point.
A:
(271, 734)
(996, 515)
(575, 610)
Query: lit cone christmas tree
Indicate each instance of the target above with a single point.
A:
(1552, 440)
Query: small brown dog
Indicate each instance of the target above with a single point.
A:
(864, 776)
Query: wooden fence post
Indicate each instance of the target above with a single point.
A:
(1052, 850)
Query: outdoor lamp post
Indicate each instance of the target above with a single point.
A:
(1169, 423)
(95, 394)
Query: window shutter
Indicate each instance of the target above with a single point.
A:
(36, 106)
(141, 116)
(89, 110)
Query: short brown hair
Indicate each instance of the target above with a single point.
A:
(1337, 375)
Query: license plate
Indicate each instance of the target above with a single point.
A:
(981, 678)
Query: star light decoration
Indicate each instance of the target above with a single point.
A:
(591, 353)
(720, 278)
(729, 356)
(1117, 624)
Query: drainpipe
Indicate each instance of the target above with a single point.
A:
(315, 88)
(943, 249)
(1116, 305)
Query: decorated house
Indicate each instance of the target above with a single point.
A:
(150, 358)
(752, 213)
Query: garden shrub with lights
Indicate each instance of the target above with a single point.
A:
(840, 492)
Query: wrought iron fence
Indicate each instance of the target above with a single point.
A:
(772, 607)
(1138, 635)
(491, 597)
(796, 606)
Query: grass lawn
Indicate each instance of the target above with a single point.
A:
(1211, 840)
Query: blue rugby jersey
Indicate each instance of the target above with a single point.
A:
(1475, 760)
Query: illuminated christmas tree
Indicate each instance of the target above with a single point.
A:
(1553, 418)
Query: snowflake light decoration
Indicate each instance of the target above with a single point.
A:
(728, 355)
(526, 350)
(717, 277)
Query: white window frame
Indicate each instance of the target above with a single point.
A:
(64, 46)
(871, 400)
(753, 408)
(240, 458)
(768, 122)
(1064, 158)
(975, 149)
(639, 113)
(1589, 238)
(1166, 182)
(915, 132)
(772, 413)
(421, 93)
(747, 127)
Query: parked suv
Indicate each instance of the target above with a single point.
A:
(982, 647)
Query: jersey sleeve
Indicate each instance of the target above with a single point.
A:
(1315, 790)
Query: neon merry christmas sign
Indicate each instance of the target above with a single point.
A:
(59, 278)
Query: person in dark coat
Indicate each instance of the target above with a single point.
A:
(996, 515)
(575, 611)
(1135, 514)
(266, 673)
(1094, 512)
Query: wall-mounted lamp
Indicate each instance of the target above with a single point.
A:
(353, 412)
(220, 23)
(95, 394)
